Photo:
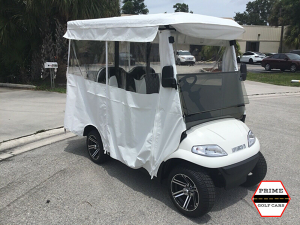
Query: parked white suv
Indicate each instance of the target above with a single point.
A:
(252, 57)
(184, 57)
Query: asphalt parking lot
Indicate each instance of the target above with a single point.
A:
(58, 184)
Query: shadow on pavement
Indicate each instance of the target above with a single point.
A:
(140, 181)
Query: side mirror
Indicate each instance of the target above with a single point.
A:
(243, 70)
(168, 79)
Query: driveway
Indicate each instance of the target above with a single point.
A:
(23, 112)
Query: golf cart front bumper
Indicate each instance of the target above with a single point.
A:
(236, 174)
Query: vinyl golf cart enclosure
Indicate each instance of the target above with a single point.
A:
(126, 94)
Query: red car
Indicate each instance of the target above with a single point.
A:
(282, 61)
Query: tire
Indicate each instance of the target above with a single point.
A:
(238, 60)
(251, 61)
(258, 173)
(94, 147)
(191, 190)
(178, 62)
(282, 70)
(268, 67)
(293, 68)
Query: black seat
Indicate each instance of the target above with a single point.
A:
(112, 71)
(137, 73)
(152, 83)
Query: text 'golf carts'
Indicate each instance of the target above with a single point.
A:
(181, 123)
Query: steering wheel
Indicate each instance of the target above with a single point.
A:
(186, 83)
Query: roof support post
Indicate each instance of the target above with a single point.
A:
(106, 61)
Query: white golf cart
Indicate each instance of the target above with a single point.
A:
(176, 122)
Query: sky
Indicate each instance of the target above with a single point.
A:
(218, 8)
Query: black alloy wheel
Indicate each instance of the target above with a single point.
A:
(191, 190)
(95, 147)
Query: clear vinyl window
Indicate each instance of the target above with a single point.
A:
(87, 58)
(131, 66)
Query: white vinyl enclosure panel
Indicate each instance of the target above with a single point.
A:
(138, 129)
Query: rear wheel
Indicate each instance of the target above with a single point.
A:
(191, 190)
(95, 147)
(293, 68)
(251, 61)
(267, 67)
(258, 173)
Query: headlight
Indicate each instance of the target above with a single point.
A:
(209, 150)
(251, 138)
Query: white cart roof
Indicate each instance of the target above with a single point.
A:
(144, 28)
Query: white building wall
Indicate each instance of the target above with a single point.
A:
(269, 38)
(242, 44)
(183, 47)
(269, 47)
(264, 46)
(261, 33)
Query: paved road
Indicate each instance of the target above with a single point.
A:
(81, 192)
(23, 112)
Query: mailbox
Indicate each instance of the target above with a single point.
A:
(51, 65)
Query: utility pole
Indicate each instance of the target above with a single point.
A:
(281, 36)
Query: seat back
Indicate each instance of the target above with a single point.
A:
(136, 80)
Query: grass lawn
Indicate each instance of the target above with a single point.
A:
(45, 85)
(279, 78)
(48, 88)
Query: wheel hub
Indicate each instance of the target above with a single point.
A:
(94, 147)
(185, 192)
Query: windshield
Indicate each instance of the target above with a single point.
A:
(259, 53)
(184, 53)
(208, 96)
(293, 56)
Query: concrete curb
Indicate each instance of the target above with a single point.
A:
(17, 146)
(279, 94)
(20, 86)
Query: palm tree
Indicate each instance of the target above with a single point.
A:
(30, 28)
(292, 36)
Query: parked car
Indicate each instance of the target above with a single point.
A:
(270, 54)
(282, 61)
(252, 57)
(296, 52)
(184, 57)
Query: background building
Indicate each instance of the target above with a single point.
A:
(265, 39)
